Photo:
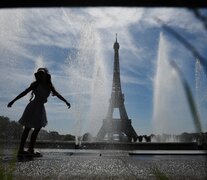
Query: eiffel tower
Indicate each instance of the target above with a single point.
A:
(113, 126)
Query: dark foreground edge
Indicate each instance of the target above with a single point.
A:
(101, 3)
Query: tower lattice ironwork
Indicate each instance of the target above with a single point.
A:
(122, 125)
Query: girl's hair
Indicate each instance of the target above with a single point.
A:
(37, 77)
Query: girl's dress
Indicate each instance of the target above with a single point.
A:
(34, 115)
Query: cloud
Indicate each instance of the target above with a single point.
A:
(179, 18)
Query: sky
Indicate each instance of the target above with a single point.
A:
(76, 45)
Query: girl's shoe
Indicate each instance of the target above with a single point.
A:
(23, 156)
(34, 154)
(22, 153)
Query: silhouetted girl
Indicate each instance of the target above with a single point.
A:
(34, 115)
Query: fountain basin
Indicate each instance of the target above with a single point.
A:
(114, 145)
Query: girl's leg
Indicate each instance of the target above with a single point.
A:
(33, 139)
(23, 139)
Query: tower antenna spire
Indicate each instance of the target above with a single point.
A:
(116, 37)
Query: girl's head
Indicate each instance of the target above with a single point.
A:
(42, 75)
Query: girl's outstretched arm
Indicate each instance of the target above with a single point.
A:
(55, 93)
(21, 95)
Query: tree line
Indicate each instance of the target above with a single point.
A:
(12, 130)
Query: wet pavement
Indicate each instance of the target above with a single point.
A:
(95, 164)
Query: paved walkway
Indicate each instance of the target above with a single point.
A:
(71, 164)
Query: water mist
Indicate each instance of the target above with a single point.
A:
(87, 72)
(171, 113)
